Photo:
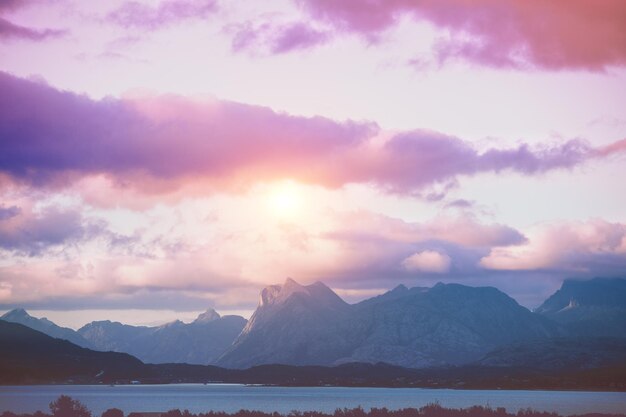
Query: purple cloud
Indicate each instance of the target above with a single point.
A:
(9, 212)
(590, 248)
(172, 141)
(10, 30)
(460, 203)
(374, 251)
(579, 34)
(133, 14)
(413, 160)
(68, 135)
(297, 36)
(277, 39)
(30, 233)
(12, 4)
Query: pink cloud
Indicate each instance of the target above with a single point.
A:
(164, 138)
(297, 36)
(12, 4)
(12, 31)
(460, 204)
(276, 38)
(594, 247)
(368, 17)
(159, 144)
(77, 262)
(578, 34)
(29, 233)
(613, 148)
(372, 250)
(413, 160)
(463, 230)
(9, 212)
(427, 261)
(133, 14)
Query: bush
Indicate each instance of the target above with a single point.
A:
(113, 412)
(65, 406)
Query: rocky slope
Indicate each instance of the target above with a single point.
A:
(594, 307)
(419, 327)
(293, 324)
(446, 324)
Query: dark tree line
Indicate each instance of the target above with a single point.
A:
(65, 406)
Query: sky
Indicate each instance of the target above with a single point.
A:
(158, 158)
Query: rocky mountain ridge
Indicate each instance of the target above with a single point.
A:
(448, 324)
(419, 327)
(199, 342)
(20, 316)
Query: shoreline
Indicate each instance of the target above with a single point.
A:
(442, 388)
(432, 409)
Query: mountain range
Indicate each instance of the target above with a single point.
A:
(199, 342)
(28, 356)
(419, 327)
(581, 326)
(19, 315)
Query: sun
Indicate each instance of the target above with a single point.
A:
(285, 199)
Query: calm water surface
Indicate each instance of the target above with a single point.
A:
(230, 398)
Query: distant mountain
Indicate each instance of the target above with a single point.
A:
(419, 327)
(595, 307)
(199, 342)
(44, 325)
(560, 353)
(30, 356)
(448, 324)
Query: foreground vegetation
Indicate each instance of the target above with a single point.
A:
(65, 406)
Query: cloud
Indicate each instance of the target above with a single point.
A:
(10, 30)
(413, 160)
(178, 257)
(276, 38)
(134, 14)
(613, 148)
(591, 248)
(459, 203)
(70, 259)
(12, 4)
(86, 273)
(370, 250)
(577, 34)
(427, 261)
(464, 230)
(145, 299)
(157, 145)
(164, 138)
(30, 233)
(5, 292)
(9, 212)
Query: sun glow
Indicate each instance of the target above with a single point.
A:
(285, 200)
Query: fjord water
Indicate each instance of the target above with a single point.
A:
(231, 397)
